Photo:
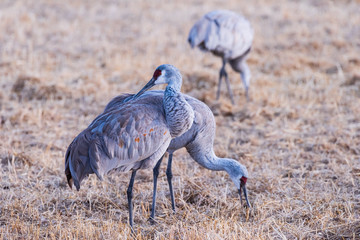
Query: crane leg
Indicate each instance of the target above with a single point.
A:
(129, 196)
(245, 77)
(247, 94)
(229, 88)
(169, 176)
(155, 174)
(221, 74)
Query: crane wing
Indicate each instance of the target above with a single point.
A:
(222, 32)
(131, 136)
(117, 101)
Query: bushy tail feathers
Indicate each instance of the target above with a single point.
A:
(198, 33)
(80, 160)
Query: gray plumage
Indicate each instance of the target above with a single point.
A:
(132, 136)
(228, 35)
(115, 140)
(198, 141)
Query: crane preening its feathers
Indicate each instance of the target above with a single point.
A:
(135, 135)
(228, 35)
(136, 130)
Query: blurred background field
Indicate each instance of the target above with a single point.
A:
(299, 136)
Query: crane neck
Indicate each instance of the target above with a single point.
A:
(178, 113)
(208, 159)
(174, 85)
(205, 156)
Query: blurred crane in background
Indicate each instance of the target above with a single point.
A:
(228, 35)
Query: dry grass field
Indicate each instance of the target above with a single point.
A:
(299, 135)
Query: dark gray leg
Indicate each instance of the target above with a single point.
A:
(247, 94)
(221, 74)
(169, 178)
(129, 196)
(229, 88)
(245, 77)
(155, 174)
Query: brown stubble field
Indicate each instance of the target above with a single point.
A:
(299, 136)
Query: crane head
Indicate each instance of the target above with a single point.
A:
(243, 187)
(164, 74)
(239, 175)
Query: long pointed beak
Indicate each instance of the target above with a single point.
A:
(245, 194)
(149, 85)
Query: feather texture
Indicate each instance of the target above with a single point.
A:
(222, 32)
(123, 139)
(132, 135)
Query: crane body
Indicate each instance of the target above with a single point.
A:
(227, 35)
(132, 136)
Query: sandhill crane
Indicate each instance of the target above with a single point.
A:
(228, 35)
(198, 140)
(133, 136)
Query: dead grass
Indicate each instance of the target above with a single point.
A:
(299, 135)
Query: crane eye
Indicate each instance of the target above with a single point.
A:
(157, 74)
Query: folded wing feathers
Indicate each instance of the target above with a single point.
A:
(78, 163)
(222, 31)
(114, 140)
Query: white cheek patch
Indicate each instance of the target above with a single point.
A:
(158, 81)
(161, 79)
